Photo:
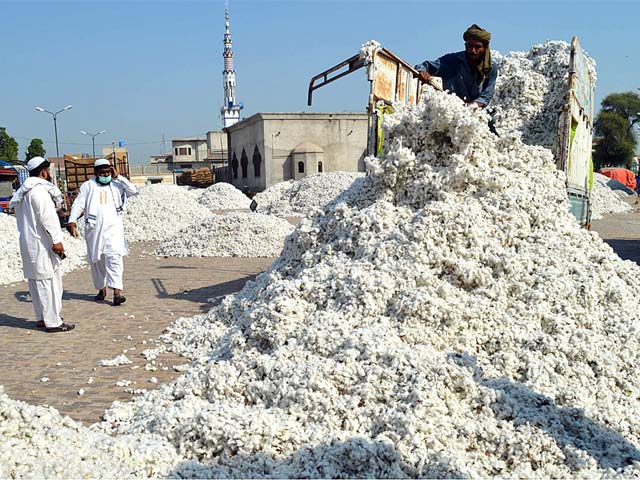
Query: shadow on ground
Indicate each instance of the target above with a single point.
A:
(17, 322)
(568, 426)
(208, 296)
(626, 249)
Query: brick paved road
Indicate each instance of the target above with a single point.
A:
(158, 290)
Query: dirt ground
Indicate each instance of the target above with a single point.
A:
(158, 291)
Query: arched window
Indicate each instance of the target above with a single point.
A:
(319, 167)
(257, 160)
(244, 163)
(300, 167)
(234, 165)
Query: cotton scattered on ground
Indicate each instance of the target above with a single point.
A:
(303, 197)
(604, 200)
(231, 235)
(11, 261)
(159, 211)
(224, 196)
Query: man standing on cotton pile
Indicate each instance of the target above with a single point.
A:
(102, 199)
(41, 244)
(470, 74)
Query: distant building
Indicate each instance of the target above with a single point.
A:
(268, 148)
(196, 152)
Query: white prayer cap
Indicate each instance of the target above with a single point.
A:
(101, 162)
(34, 163)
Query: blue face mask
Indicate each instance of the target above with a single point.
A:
(105, 180)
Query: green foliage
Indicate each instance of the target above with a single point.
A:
(8, 146)
(614, 127)
(616, 144)
(35, 149)
(627, 105)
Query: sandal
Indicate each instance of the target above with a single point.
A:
(119, 300)
(100, 296)
(40, 324)
(65, 327)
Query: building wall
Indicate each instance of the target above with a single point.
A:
(342, 137)
(196, 154)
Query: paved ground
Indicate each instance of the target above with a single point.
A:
(622, 232)
(158, 290)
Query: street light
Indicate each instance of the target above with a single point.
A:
(55, 128)
(93, 139)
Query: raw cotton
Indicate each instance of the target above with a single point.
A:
(604, 200)
(159, 211)
(531, 90)
(303, 197)
(451, 319)
(11, 261)
(38, 442)
(231, 235)
(224, 196)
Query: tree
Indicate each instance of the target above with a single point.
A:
(35, 149)
(8, 146)
(614, 127)
(627, 105)
(615, 144)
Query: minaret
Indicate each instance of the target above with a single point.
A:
(230, 111)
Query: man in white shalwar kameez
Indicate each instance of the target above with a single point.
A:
(41, 244)
(103, 199)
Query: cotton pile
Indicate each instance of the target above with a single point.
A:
(604, 200)
(159, 211)
(224, 196)
(302, 197)
(31, 435)
(450, 319)
(231, 235)
(531, 90)
(11, 261)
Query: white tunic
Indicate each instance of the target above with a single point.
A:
(39, 228)
(103, 207)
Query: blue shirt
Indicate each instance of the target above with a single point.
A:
(457, 77)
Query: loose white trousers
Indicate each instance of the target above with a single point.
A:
(46, 297)
(107, 272)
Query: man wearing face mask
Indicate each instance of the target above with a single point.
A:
(102, 199)
(41, 246)
(470, 74)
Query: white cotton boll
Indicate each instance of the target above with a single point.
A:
(303, 197)
(153, 213)
(224, 196)
(231, 235)
(11, 261)
(119, 360)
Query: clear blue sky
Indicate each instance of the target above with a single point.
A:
(140, 69)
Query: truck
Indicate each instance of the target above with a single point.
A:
(394, 81)
(11, 178)
(79, 170)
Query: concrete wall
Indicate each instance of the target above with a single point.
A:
(198, 151)
(341, 136)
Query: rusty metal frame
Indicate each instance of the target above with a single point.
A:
(354, 63)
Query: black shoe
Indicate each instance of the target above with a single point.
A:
(119, 300)
(65, 327)
(100, 296)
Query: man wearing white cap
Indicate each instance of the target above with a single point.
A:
(102, 199)
(41, 243)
